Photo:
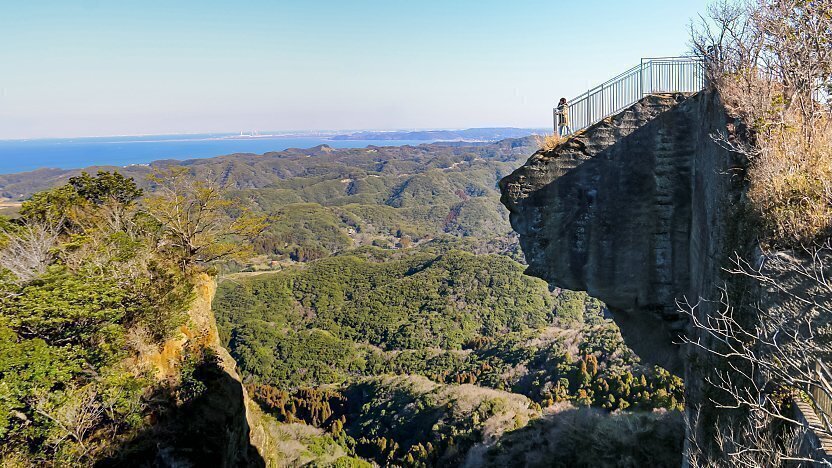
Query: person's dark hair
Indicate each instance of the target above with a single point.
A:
(562, 100)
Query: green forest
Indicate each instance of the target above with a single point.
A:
(372, 292)
(451, 316)
(318, 345)
(373, 299)
(82, 292)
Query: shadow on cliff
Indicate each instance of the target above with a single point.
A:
(617, 223)
(210, 430)
(589, 437)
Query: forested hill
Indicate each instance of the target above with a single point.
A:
(374, 301)
(386, 317)
(478, 134)
(323, 200)
(247, 170)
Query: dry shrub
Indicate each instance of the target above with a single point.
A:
(754, 98)
(790, 170)
(771, 62)
(548, 142)
(791, 184)
(285, 444)
(141, 341)
(591, 437)
(27, 254)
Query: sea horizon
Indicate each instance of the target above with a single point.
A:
(18, 156)
(25, 155)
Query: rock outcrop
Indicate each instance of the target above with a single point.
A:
(646, 211)
(217, 426)
(633, 210)
(212, 429)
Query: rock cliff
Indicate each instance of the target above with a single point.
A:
(647, 211)
(636, 211)
(216, 429)
(212, 429)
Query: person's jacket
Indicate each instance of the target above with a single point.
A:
(563, 112)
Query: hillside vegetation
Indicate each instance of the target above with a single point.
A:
(771, 64)
(410, 270)
(321, 201)
(83, 292)
(452, 316)
(374, 300)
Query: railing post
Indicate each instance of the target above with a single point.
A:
(589, 110)
(641, 79)
(603, 104)
(555, 120)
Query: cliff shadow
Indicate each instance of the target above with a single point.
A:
(589, 437)
(211, 429)
(617, 224)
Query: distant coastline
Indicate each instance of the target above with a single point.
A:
(68, 153)
(470, 134)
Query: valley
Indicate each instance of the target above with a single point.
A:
(373, 300)
(386, 316)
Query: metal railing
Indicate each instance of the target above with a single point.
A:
(651, 76)
(819, 395)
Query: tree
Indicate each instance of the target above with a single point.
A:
(584, 374)
(797, 49)
(774, 357)
(770, 56)
(29, 250)
(52, 207)
(592, 364)
(108, 197)
(80, 277)
(64, 309)
(76, 417)
(200, 223)
(29, 366)
(106, 186)
(337, 427)
(113, 194)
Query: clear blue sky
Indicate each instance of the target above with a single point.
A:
(114, 67)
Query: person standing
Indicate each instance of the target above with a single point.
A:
(563, 118)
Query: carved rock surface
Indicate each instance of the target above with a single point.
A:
(632, 210)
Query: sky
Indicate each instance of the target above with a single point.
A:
(129, 67)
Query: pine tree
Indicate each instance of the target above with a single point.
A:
(337, 427)
(584, 374)
(592, 364)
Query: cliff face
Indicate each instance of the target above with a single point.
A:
(212, 429)
(647, 212)
(636, 211)
(217, 426)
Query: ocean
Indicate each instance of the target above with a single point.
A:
(68, 153)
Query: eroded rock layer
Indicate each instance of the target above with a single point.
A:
(632, 210)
